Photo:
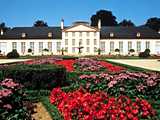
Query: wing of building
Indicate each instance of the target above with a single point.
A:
(79, 38)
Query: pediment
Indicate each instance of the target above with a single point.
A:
(81, 27)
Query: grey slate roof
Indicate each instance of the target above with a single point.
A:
(129, 33)
(33, 33)
(42, 33)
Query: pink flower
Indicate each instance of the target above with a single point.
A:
(5, 93)
(7, 106)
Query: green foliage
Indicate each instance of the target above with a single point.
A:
(40, 23)
(106, 17)
(43, 76)
(145, 54)
(65, 57)
(153, 23)
(29, 50)
(131, 50)
(13, 54)
(126, 23)
(117, 50)
(15, 108)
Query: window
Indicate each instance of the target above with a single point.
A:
(147, 45)
(23, 47)
(87, 34)
(121, 46)
(40, 46)
(111, 34)
(87, 41)
(14, 46)
(66, 48)
(73, 42)
(129, 45)
(138, 34)
(95, 34)
(66, 34)
(80, 34)
(49, 34)
(95, 49)
(102, 46)
(50, 46)
(95, 41)
(88, 49)
(58, 46)
(138, 46)
(32, 46)
(23, 35)
(112, 46)
(73, 49)
(66, 41)
(80, 42)
(73, 34)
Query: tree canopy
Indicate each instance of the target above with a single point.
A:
(153, 23)
(3, 26)
(126, 23)
(40, 23)
(106, 17)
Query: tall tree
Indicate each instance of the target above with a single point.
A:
(106, 17)
(3, 26)
(40, 23)
(126, 23)
(153, 23)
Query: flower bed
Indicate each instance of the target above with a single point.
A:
(83, 105)
(90, 65)
(130, 83)
(68, 64)
(11, 101)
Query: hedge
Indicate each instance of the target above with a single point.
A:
(36, 77)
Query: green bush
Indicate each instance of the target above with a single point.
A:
(37, 76)
(145, 54)
(13, 54)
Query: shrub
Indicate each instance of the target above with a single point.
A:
(131, 50)
(29, 50)
(145, 54)
(117, 50)
(37, 76)
(13, 54)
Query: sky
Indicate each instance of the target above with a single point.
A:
(26, 12)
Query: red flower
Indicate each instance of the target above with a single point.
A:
(68, 64)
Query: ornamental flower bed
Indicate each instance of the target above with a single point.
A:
(68, 64)
(130, 83)
(11, 101)
(82, 105)
(90, 65)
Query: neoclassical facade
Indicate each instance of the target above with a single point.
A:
(79, 38)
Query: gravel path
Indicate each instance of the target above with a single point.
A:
(151, 64)
(2, 61)
(41, 112)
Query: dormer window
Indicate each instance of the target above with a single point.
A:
(49, 34)
(23, 35)
(2, 32)
(111, 34)
(138, 34)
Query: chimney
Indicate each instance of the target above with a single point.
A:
(99, 24)
(2, 32)
(62, 24)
